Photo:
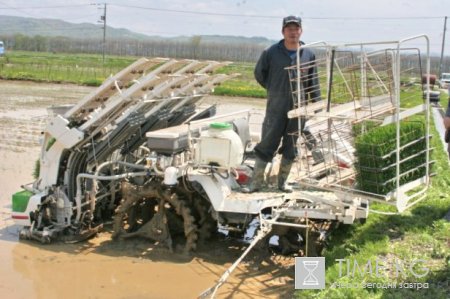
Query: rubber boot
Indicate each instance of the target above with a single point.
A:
(283, 173)
(311, 144)
(258, 176)
(317, 156)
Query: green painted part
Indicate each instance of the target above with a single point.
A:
(220, 126)
(20, 201)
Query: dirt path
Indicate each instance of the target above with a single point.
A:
(101, 268)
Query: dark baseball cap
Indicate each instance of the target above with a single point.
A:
(292, 20)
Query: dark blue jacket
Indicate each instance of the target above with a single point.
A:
(270, 72)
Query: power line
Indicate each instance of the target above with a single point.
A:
(271, 16)
(37, 31)
(372, 18)
(40, 7)
(81, 17)
(195, 12)
(220, 14)
(44, 21)
(17, 9)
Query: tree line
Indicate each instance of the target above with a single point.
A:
(192, 48)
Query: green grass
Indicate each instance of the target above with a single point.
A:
(243, 85)
(418, 233)
(82, 69)
(235, 87)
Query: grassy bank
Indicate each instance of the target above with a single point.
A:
(419, 233)
(89, 69)
(82, 69)
(244, 85)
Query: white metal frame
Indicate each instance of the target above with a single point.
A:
(399, 197)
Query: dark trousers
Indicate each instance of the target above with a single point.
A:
(276, 129)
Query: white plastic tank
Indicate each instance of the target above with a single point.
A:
(220, 146)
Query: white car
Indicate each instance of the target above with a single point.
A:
(444, 81)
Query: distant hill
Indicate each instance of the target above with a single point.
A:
(52, 27)
(10, 25)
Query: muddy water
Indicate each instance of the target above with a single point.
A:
(101, 268)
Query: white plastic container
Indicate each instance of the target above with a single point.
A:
(220, 146)
(170, 176)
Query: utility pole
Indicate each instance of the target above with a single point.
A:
(103, 21)
(442, 49)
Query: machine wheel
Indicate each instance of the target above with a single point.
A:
(181, 213)
(200, 207)
(149, 212)
(206, 224)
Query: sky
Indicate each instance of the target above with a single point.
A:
(333, 21)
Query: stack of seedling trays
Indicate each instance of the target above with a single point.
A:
(376, 163)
